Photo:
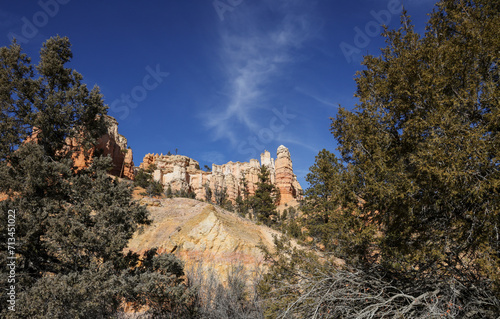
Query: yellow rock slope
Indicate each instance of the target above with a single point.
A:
(199, 232)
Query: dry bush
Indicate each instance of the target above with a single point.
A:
(357, 294)
(232, 296)
(303, 284)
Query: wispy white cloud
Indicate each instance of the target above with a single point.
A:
(255, 50)
(315, 97)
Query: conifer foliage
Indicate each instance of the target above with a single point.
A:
(412, 205)
(71, 226)
(265, 198)
(144, 179)
(422, 147)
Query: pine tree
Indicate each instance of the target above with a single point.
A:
(208, 193)
(144, 176)
(71, 226)
(220, 194)
(144, 179)
(331, 211)
(265, 198)
(244, 185)
(243, 202)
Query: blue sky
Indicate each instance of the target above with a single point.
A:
(218, 80)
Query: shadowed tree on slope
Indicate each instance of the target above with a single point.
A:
(144, 179)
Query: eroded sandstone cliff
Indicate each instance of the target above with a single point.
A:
(182, 173)
(110, 144)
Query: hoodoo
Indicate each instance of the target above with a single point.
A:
(182, 173)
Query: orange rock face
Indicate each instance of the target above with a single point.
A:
(110, 144)
(148, 160)
(115, 145)
(183, 173)
(286, 181)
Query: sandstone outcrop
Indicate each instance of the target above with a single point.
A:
(182, 173)
(115, 145)
(110, 144)
(285, 179)
(199, 232)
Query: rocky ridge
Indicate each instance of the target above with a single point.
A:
(182, 173)
(199, 232)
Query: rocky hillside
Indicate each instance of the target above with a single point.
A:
(183, 173)
(200, 232)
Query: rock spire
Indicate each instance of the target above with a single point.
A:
(182, 173)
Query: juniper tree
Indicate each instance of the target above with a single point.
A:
(416, 184)
(72, 225)
(421, 147)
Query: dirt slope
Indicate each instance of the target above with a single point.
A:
(199, 232)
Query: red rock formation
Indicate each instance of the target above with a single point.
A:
(286, 181)
(111, 143)
(149, 159)
(183, 173)
(115, 145)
